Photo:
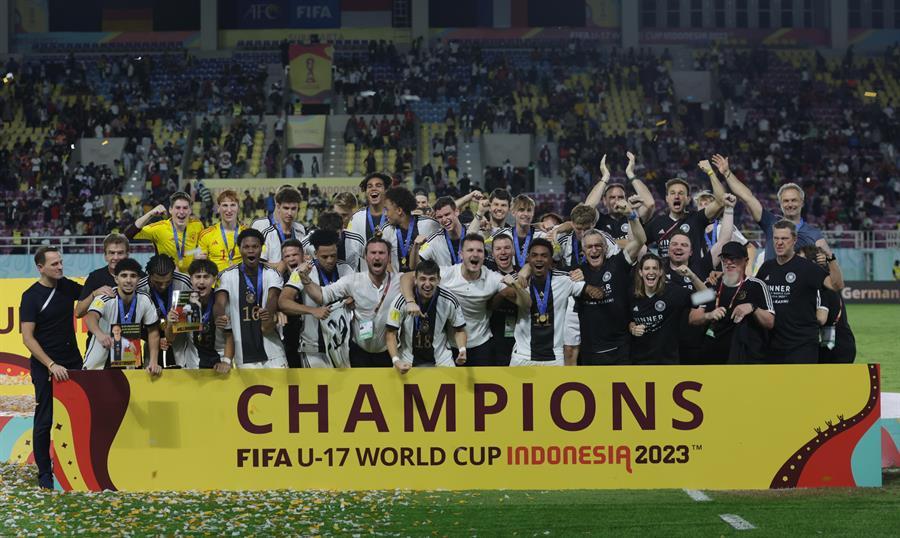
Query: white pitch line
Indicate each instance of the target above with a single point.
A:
(737, 522)
(697, 495)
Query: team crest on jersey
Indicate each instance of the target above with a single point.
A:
(624, 227)
(790, 277)
(660, 306)
(741, 295)
(607, 276)
(685, 227)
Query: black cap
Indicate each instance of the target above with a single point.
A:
(734, 250)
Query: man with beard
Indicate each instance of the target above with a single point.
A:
(610, 194)
(837, 344)
(219, 242)
(738, 321)
(504, 311)
(679, 217)
(790, 197)
(368, 221)
(202, 349)
(248, 294)
(794, 284)
(445, 245)
(176, 236)
(350, 245)
(418, 336)
(522, 231)
(321, 321)
(162, 279)
(404, 227)
(282, 226)
(602, 336)
(475, 288)
(656, 313)
(372, 291)
(690, 337)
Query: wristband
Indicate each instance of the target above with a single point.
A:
(633, 215)
(395, 359)
(462, 349)
(729, 210)
(227, 360)
(52, 364)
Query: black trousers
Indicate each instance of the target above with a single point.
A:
(614, 357)
(43, 422)
(360, 358)
(804, 354)
(482, 355)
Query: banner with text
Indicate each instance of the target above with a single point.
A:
(311, 72)
(728, 427)
(289, 14)
(863, 292)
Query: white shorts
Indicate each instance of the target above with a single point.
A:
(316, 360)
(519, 361)
(572, 336)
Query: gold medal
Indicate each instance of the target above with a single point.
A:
(543, 318)
(162, 325)
(250, 298)
(403, 261)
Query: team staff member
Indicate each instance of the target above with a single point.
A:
(283, 225)
(350, 245)
(219, 242)
(333, 320)
(369, 220)
(569, 251)
(790, 197)
(690, 337)
(46, 312)
(419, 337)
(657, 311)
(126, 307)
(372, 291)
(504, 311)
(177, 236)
(248, 295)
(679, 217)
(102, 281)
(445, 245)
(162, 279)
(404, 227)
(601, 337)
(475, 288)
(610, 194)
(837, 344)
(794, 284)
(738, 321)
(203, 346)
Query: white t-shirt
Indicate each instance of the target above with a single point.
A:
(474, 298)
(372, 306)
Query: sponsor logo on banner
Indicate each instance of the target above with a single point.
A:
(456, 428)
(289, 14)
(255, 14)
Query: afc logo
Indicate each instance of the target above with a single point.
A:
(268, 12)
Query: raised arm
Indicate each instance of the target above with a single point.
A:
(713, 208)
(596, 195)
(464, 200)
(740, 190)
(637, 236)
(648, 204)
(835, 279)
(727, 227)
(142, 221)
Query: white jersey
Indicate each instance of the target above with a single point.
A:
(240, 313)
(372, 305)
(474, 298)
(424, 340)
(423, 226)
(520, 252)
(351, 249)
(332, 335)
(274, 235)
(441, 248)
(540, 337)
(360, 225)
(108, 309)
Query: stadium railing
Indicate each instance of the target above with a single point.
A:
(67, 244)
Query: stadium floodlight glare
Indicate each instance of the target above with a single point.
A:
(871, 94)
(410, 98)
(367, 93)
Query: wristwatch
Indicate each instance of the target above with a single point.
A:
(831, 258)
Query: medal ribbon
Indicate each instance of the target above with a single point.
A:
(542, 302)
(418, 320)
(129, 316)
(577, 258)
(207, 312)
(455, 256)
(372, 222)
(179, 250)
(522, 253)
(225, 240)
(249, 283)
(719, 294)
(323, 275)
(163, 305)
(712, 238)
(405, 244)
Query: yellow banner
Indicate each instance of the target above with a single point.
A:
(306, 132)
(311, 72)
(727, 427)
